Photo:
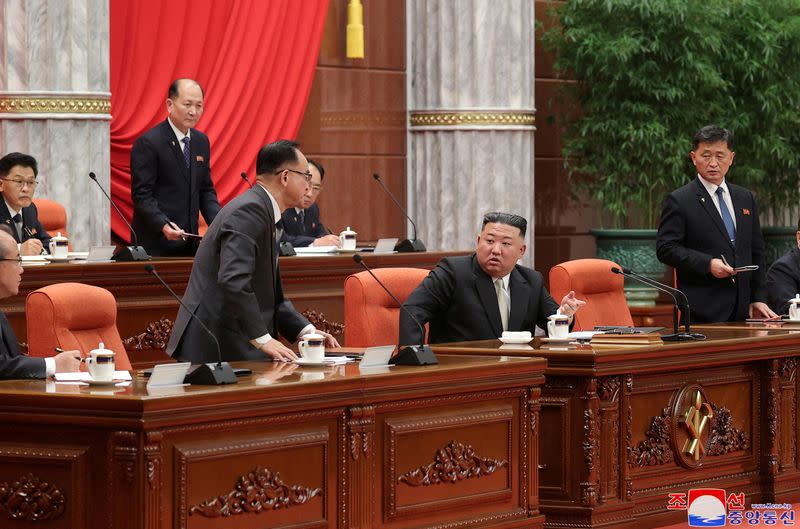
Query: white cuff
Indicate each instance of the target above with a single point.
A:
(307, 330)
(49, 367)
(261, 340)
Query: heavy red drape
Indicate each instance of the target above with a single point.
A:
(255, 60)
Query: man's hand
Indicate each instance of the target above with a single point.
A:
(328, 240)
(277, 351)
(761, 310)
(720, 270)
(330, 341)
(172, 232)
(68, 361)
(570, 304)
(32, 246)
(274, 372)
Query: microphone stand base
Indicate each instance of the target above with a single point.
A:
(131, 253)
(407, 245)
(213, 374)
(414, 355)
(683, 337)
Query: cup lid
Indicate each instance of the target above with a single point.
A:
(312, 336)
(101, 349)
(348, 231)
(558, 316)
(795, 299)
(59, 237)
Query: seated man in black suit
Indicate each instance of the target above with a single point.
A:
(17, 184)
(301, 226)
(478, 296)
(783, 278)
(12, 363)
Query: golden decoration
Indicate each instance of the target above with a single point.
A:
(438, 119)
(695, 420)
(54, 105)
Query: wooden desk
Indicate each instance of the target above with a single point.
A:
(612, 435)
(452, 445)
(146, 310)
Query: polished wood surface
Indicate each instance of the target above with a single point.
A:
(614, 423)
(450, 445)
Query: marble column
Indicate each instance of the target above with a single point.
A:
(472, 116)
(55, 104)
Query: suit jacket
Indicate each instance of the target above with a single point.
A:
(302, 233)
(783, 281)
(692, 233)
(459, 301)
(235, 286)
(12, 363)
(31, 227)
(163, 189)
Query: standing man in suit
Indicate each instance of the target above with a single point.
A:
(477, 297)
(235, 286)
(12, 363)
(17, 185)
(783, 278)
(170, 176)
(301, 226)
(708, 227)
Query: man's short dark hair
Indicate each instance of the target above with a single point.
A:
(275, 155)
(506, 218)
(172, 93)
(713, 134)
(319, 168)
(7, 230)
(17, 158)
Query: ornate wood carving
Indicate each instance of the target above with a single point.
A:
(23, 348)
(788, 368)
(153, 459)
(590, 486)
(772, 387)
(155, 336)
(556, 382)
(259, 490)
(454, 462)
(361, 425)
(319, 321)
(31, 499)
(655, 449)
(724, 437)
(608, 388)
(628, 411)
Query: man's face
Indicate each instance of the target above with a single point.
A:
(713, 160)
(187, 107)
(500, 246)
(10, 269)
(296, 180)
(316, 186)
(18, 186)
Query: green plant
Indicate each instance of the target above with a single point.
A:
(649, 73)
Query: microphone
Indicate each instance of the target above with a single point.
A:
(128, 253)
(244, 177)
(676, 336)
(412, 355)
(414, 245)
(203, 374)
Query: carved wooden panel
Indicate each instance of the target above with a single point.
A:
(788, 435)
(555, 480)
(360, 449)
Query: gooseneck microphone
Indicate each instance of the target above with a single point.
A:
(676, 335)
(128, 253)
(203, 374)
(412, 355)
(414, 245)
(244, 177)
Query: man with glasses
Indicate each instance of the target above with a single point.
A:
(235, 286)
(301, 226)
(17, 185)
(12, 363)
(709, 228)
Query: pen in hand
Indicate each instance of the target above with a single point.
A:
(725, 262)
(60, 350)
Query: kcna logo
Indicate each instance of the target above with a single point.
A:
(707, 508)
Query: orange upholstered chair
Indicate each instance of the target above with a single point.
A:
(371, 317)
(73, 316)
(52, 216)
(593, 282)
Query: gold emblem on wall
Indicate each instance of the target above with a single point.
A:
(692, 421)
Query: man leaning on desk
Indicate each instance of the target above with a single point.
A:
(18, 212)
(12, 363)
(477, 297)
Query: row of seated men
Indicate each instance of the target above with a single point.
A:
(236, 291)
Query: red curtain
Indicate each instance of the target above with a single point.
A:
(255, 60)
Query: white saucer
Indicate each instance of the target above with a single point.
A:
(59, 259)
(548, 339)
(304, 362)
(788, 320)
(518, 341)
(93, 382)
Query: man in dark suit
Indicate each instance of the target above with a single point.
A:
(478, 297)
(709, 227)
(783, 278)
(17, 185)
(301, 226)
(170, 176)
(235, 286)
(12, 363)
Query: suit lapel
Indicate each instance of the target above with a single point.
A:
(520, 298)
(176, 148)
(7, 349)
(488, 297)
(5, 218)
(738, 212)
(705, 201)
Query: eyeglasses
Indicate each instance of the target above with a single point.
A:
(20, 184)
(17, 260)
(306, 175)
(316, 187)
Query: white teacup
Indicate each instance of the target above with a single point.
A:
(348, 239)
(312, 347)
(59, 246)
(794, 308)
(558, 326)
(101, 364)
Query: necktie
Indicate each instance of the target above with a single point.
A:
(502, 302)
(303, 220)
(18, 224)
(726, 215)
(185, 141)
(278, 230)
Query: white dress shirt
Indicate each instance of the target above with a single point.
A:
(726, 196)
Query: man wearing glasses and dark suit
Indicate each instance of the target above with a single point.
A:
(18, 212)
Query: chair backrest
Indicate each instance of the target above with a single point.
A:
(73, 316)
(371, 317)
(593, 282)
(52, 216)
